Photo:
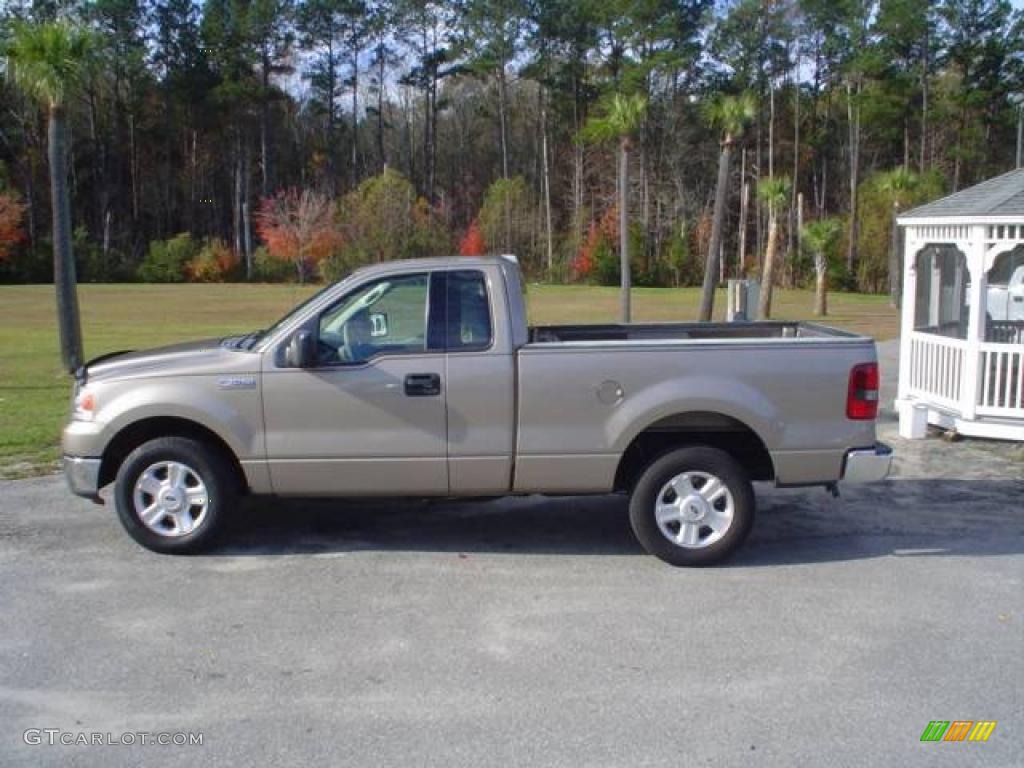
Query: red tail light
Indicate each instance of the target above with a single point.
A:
(862, 396)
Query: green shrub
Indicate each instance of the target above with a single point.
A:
(508, 221)
(166, 260)
(340, 263)
(877, 196)
(679, 260)
(606, 264)
(268, 269)
(381, 220)
(32, 265)
(606, 260)
(215, 263)
(95, 266)
(657, 275)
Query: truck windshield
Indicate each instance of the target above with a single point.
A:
(292, 314)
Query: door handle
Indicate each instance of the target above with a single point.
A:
(423, 384)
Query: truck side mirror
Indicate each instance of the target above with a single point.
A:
(301, 351)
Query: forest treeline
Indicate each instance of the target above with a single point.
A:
(211, 139)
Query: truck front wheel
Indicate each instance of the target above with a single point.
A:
(693, 506)
(172, 494)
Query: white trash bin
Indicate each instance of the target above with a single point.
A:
(913, 421)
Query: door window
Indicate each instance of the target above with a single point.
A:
(468, 312)
(387, 316)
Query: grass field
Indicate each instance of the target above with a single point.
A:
(34, 393)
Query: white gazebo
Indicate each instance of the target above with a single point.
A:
(962, 349)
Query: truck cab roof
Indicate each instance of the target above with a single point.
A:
(435, 262)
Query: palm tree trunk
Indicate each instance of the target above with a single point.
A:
(707, 296)
(68, 324)
(764, 305)
(624, 228)
(821, 286)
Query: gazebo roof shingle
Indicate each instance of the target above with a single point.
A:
(1001, 196)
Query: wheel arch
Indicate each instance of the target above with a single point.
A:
(132, 435)
(678, 430)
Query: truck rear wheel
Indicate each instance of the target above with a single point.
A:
(172, 494)
(692, 507)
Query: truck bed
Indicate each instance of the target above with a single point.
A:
(585, 391)
(546, 334)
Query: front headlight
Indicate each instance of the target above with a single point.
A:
(83, 404)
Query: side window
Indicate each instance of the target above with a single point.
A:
(387, 316)
(468, 311)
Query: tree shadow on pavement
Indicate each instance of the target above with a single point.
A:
(900, 517)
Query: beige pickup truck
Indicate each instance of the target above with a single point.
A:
(422, 378)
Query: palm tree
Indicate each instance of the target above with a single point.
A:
(620, 121)
(730, 114)
(774, 193)
(47, 62)
(820, 238)
(898, 186)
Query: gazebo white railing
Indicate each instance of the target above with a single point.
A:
(962, 353)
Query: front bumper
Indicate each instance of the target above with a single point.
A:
(867, 465)
(83, 476)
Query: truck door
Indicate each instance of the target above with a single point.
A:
(480, 371)
(369, 418)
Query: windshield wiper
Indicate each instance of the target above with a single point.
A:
(244, 342)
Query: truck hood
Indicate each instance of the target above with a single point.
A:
(206, 356)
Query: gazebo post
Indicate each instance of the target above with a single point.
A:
(910, 248)
(975, 322)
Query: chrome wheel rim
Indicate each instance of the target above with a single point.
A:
(170, 498)
(694, 509)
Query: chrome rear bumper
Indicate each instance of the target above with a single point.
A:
(867, 465)
(83, 476)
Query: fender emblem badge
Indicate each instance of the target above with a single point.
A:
(237, 382)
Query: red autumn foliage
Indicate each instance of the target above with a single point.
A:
(473, 243)
(11, 212)
(583, 263)
(606, 230)
(298, 227)
(609, 224)
(213, 264)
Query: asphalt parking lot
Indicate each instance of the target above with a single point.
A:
(527, 632)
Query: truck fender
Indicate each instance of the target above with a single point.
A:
(690, 395)
(154, 400)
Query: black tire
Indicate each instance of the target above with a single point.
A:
(208, 464)
(699, 459)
